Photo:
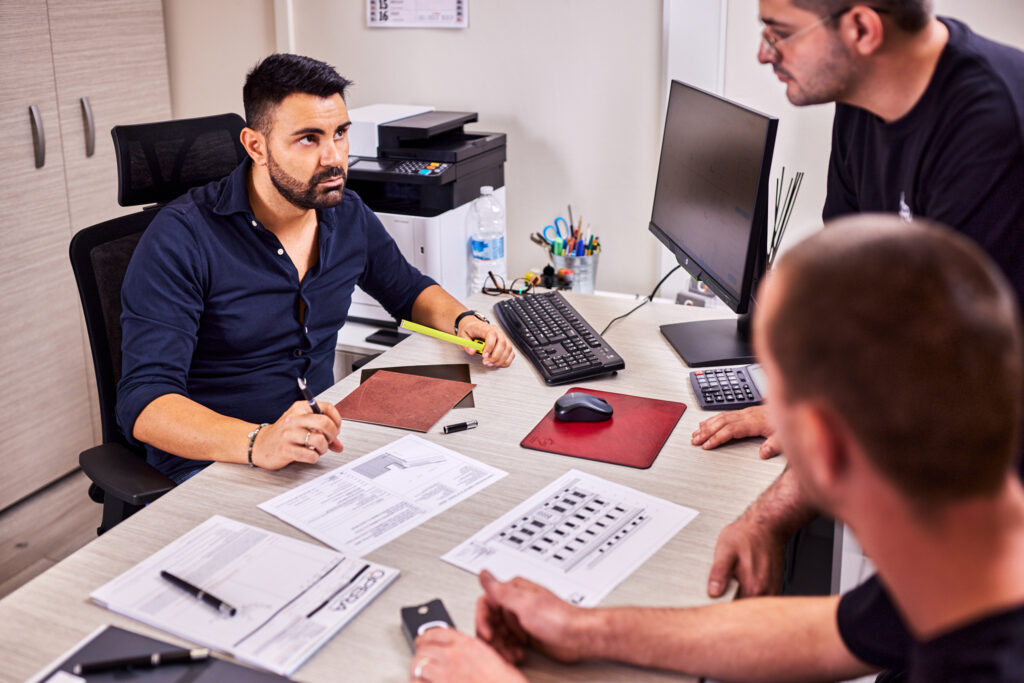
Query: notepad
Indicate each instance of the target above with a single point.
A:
(456, 372)
(400, 400)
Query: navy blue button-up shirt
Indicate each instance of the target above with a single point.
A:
(212, 305)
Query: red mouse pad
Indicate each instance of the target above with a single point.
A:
(634, 435)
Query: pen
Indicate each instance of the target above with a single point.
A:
(460, 426)
(308, 395)
(142, 661)
(200, 594)
(335, 593)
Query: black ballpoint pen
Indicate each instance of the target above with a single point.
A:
(308, 395)
(141, 661)
(200, 594)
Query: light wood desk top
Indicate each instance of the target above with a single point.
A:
(53, 612)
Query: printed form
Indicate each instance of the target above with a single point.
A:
(291, 596)
(580, 537)
(373, 500)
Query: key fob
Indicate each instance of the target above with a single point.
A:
(419, 618)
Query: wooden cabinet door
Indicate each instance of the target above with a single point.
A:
(113, 53)
(45, 416)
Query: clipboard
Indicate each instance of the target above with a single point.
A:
(635, 434)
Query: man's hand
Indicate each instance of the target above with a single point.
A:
(444, 654)
(519, 613)
(498, 351)
(299, 435)
(753, 553)
(737, 424)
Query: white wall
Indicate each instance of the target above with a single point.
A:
(211, 45)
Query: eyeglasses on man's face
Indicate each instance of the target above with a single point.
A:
(772, 39)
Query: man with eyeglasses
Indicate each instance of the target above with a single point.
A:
(929, 122)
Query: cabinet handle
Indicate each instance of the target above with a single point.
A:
(90, 127)
(38, 136)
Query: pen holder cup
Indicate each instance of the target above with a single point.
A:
(584, 271)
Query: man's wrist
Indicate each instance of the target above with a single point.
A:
(252, 442)
(467, 314)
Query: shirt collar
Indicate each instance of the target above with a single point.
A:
(234, 193)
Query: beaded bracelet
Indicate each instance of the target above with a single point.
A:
(252, 440)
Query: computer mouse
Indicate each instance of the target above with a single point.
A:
(577, 406)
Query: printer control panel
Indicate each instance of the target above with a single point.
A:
(425, 168)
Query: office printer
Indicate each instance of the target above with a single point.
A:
(418, 170)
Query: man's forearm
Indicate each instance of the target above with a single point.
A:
(179, 425)
(782, 507)
(436, 308)
(758, 639)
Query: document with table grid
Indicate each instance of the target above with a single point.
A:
(579, 537)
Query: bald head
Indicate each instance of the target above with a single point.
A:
(911, 336)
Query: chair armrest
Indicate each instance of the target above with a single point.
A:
(123, 474)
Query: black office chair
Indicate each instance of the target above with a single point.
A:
(156, 162)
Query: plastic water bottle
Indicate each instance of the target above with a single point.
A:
(486, 226)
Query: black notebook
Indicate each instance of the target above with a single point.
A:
(111, 642)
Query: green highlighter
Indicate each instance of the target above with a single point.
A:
(475, 344)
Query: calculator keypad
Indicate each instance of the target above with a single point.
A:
(724, 388)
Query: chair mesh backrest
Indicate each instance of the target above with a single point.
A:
(110, 262)
(157, 162)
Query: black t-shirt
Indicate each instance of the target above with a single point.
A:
(990, 649)
(957, 157)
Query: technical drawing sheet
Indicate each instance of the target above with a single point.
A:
(580, 537)
(374, 499)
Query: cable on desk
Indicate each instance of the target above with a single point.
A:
(642, 303)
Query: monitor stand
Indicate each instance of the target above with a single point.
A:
(709, 342)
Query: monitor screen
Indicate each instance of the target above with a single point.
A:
(711, 208)
(713, 174)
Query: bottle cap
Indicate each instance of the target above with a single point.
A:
(486, 189)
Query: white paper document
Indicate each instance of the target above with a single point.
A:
(291, 596)
(580, 537)
(360, 506)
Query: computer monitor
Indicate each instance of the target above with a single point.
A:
(711, 211)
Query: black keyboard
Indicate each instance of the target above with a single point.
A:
(556, 339)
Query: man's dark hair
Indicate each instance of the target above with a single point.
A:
(911, 337)
(910, 15)
(280, 75)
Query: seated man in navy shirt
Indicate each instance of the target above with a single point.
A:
(904, 424)
(240, 287)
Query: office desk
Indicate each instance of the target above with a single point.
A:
(53, 612)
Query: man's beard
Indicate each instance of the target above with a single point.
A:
(830, 81)
(308, 195)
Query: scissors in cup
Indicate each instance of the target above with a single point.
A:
(556, 228)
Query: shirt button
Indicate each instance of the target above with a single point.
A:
(280, 252)
(254, 224)
(306, 329)
(297, 353)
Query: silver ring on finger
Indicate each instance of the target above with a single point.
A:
(417, 671)
(306, 442)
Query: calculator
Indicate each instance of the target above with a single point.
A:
(728, 388)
